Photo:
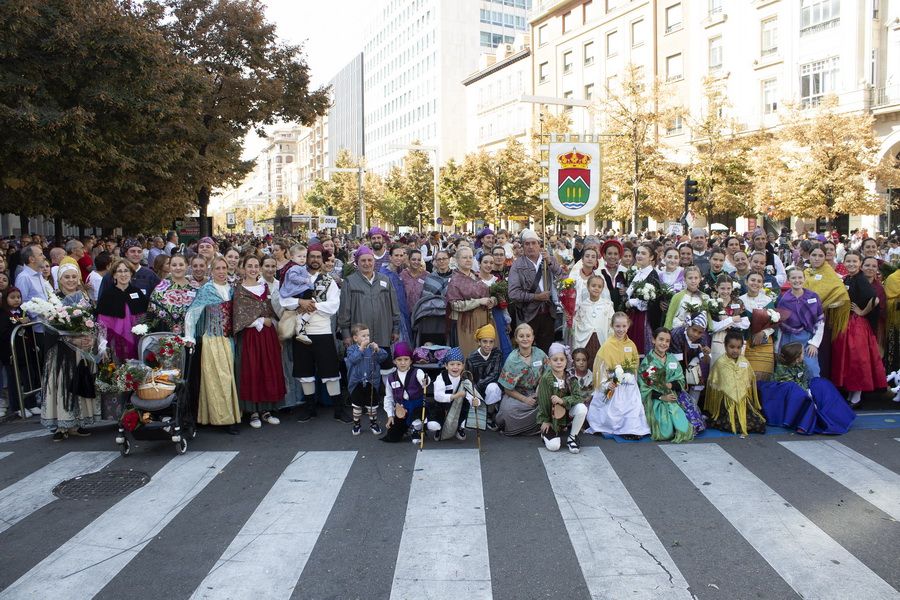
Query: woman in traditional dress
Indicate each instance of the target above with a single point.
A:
(210, 319)
(519, 379)
(806, 322)
(741, 270)
(161, 266)
(732, 244)
(590, 262)
(282, 260)
(233, 259)
(69, 402)
(172, 297)
(690, 297)
(199, 272)
(855, 362)
(830, 258)
(469, 301)
(120, 308)
(892, 333)
(616, 407)
(645, 314)
(760, 350)
(716, 268)
(871, 269)
(661, 382)
(413, 277)
(671, 275)
(822, 279)
(260, 381)
(593, 316)
(499, 316)
(208, 249)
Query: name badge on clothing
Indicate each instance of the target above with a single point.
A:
(817, 277)
(383, 284)
(133, 295)
(735, 306)
(537, 363)
(627, 349)
(448, 389)
(811, 300)
(743, 365)
(559, 385)
(395, 384)
(673, 365)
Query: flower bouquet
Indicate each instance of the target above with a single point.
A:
(644, 290)
(567, 298)
(665, 293)
(170, 352)
(655, 378)
(716, 308)
(500, 291)
(131, 375)
(133, 418)
(140, 329)
(618, 374)
(106, 378)
(74, 324)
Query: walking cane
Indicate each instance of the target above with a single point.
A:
(422, 431)
(470, 387)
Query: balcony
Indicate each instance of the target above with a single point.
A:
(886, 99)
(817, 27)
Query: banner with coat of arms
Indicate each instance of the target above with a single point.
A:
(574, 178)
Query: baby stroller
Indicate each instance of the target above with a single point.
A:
(170, 417)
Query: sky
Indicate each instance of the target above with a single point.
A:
(330, 38)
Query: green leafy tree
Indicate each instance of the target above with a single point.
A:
(251, 79)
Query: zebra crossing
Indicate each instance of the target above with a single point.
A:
(443, 550)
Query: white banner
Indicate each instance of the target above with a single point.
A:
(574, 179)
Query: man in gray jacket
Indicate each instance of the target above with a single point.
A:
(531, 293)
(368, 297)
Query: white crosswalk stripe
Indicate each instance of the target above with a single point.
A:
(810, 561)
(443, 551)
(86, 563)
(36, 490)
(24, 435)
(4, 455)
(277, 539)
(603, 521)
(864, 477)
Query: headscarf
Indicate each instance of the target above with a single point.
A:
(207, 240)
(484, 232)
(609, 243)
(557, 348)
(831, 290)
(453, 354)
(67, 266)
(528, 234)
(892, 292)
(402, 349)
(486, 332)
(363, 250)
(316, 247)
(698, 320)
(611, 354)
(131, 243)
(377, 231)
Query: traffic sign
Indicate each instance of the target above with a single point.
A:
(230, 220)
(328, 222)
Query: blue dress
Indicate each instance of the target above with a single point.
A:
(808, 406)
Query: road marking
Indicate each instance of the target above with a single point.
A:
(603, 521)
(4, 455)
(24, 435)
(276, 541)
(36, 490)
(443, 551)
(864, 477)
(81, 567)
(808, 559)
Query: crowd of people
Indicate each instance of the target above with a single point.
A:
(659, 334)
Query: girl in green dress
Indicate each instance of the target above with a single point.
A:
(661, 380)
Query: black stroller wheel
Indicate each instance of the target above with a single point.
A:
(181, 445)
(125, 448)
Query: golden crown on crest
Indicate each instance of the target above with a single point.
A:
(574, 160)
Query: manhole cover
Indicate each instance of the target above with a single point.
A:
(103, 484)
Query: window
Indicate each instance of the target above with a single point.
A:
(674, 68)
(817, 79)
(770, 96)
(611, 5)
(589, 91)
(486, 39)
(589, 9)
(769, 40)
(673, 18)
(818, 15)
(543, 72)
(612, 44)
(675, 126)
(568, 96)
(567, 62)
(611, 83)
(567, 23)
(589, 53)
(542, 35)
(637, 33)
(715, 54)
(715, 7)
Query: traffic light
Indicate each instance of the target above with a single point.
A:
(691, 191)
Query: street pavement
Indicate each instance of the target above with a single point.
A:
(305, 510)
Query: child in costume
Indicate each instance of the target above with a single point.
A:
(364, 377)
(404, 396)
(731, 397)
(581, 371)
(796, 401)
(590, 328)
(726, 313)
(661, 381)
(484, 364)
(297, 284)
(616, 407)
(690, 346)
(559, 403)
(448, 387)
(688, 300)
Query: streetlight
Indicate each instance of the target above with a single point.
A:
(585, 104)
(437, 168)
(360, 170)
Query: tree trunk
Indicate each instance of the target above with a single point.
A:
(203, 204)
(58, 230)
(81, 232)
(24, 224)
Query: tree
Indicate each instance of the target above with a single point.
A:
(722, 157)
(92, 106)
(637, 178)
(418, 186)
(519, 177)
(250, 80)
(818, 164)
(457, 202)
(393, 207)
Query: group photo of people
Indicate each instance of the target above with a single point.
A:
(430, 336)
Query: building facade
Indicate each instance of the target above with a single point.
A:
(765, 53)
(494, 108)
(346, 117)
(415, 57)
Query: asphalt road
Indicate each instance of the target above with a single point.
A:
(305, 510)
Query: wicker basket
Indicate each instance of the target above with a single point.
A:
(155, 391)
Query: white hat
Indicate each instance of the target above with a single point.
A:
(528, 234)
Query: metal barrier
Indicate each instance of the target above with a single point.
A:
(30, 374)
